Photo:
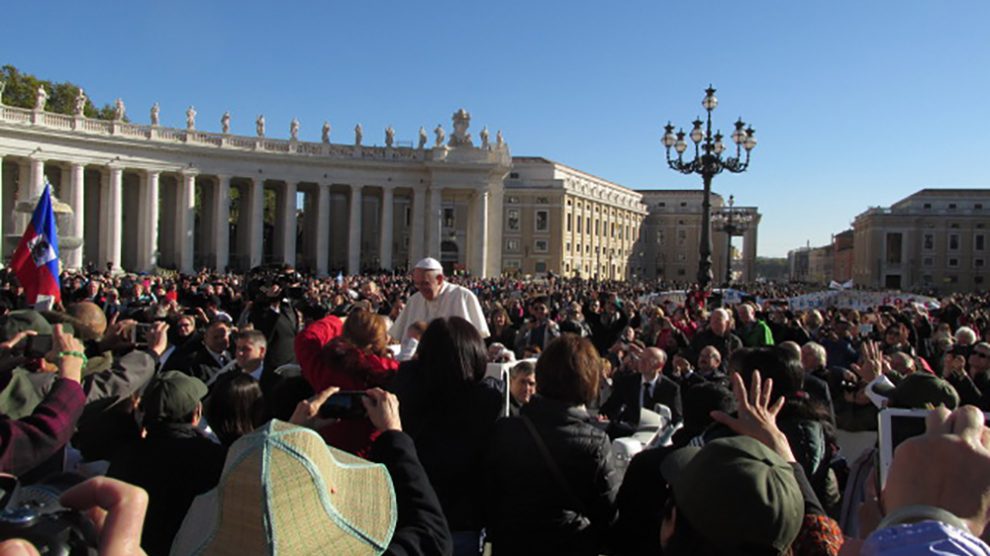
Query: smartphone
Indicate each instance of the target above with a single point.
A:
(897, 425)
(344, 405)
(865, 329)
(139, 333)
(38, 345)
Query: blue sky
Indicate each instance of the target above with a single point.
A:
(855, 103)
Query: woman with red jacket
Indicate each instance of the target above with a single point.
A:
(351, 356)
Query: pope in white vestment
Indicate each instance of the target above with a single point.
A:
(449, 300)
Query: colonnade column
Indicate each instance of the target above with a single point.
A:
(185, 221)
(749, 253)
(148, 231)
(418, 221)
(479, 243)
(37, 178)
(257, 222)
(354, 233)
(221, 224)
(322, 229)
(433, 222)
(385, 245)
(114, 216)
(74, 258)
(285, 225)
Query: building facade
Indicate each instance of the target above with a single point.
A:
(842, 249)
(933, 238)
(562, 220)
(671, 235)
(146, 196)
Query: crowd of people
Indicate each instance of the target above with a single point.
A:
(195, 412)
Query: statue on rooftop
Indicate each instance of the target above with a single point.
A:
(422, 137)
(358, 135)
(499, 142)
(225, 123)
(484, 137)
(80, 102)
(460, 137)
(41, 98)
(155, 110)
(389, 136)
(294, 129)
(119, 110)
(191, 118)
(441, 134)
(259, 125)
(326, 132)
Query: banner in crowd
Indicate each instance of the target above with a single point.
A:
(859, 300)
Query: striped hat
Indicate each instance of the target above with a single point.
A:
(284, 491)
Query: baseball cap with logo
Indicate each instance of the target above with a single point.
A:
(284, 491)
(736, 493)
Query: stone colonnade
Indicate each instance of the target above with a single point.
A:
(147, 197)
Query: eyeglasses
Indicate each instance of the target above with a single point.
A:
(981, 354)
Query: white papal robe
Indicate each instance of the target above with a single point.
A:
(452, 301)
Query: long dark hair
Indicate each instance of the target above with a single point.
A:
(452, 354)
(235, 407)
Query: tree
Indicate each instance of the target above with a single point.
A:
(22, 90)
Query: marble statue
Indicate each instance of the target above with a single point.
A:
(422, 137)
(358, 135)
(155, 110)
(499, 142)
(460, 137)
(389, 136)
(259, 125)
(440, 135)
(41, 99)
(80, 102)
(191, 118)
(225, 123)
(119, 110)
(326, 132)
(484, 137)
(294, 129)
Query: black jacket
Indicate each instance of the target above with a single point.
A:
(724, 344)
(528, 512)
(451, 436)
(421, 527)
(627, 398)
(175, 463)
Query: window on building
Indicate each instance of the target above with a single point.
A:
(612, 232)
(661, 205)
(568, 222)
(681, 234)
(541, 266)
(683, 204)
(953, 262)
(979, 242)
(512, 200)
(952, 206)
(568, 248)
(541, 246)
(978, 263)
(954, 226)
(448, 218)
(680, 272)
(928, 241)
(928, 262)
(953, 242)
(894, 241)
(542, 221)
(978, 206)
(513, 175)
(512, 245)
(927, 205)
(579, 228)
(512, 219)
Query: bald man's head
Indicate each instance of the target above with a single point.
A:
(92, 322)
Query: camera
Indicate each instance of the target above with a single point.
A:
(34, 514)
(344, 405)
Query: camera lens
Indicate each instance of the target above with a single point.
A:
(19, 517)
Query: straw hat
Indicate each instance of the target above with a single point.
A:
(284, 491)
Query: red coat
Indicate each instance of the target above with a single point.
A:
(326, 359)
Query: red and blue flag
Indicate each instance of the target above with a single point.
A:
(35, 261)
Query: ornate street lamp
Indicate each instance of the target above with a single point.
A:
(733, 221)
(708, 162)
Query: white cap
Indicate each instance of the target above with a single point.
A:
(429, 263)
